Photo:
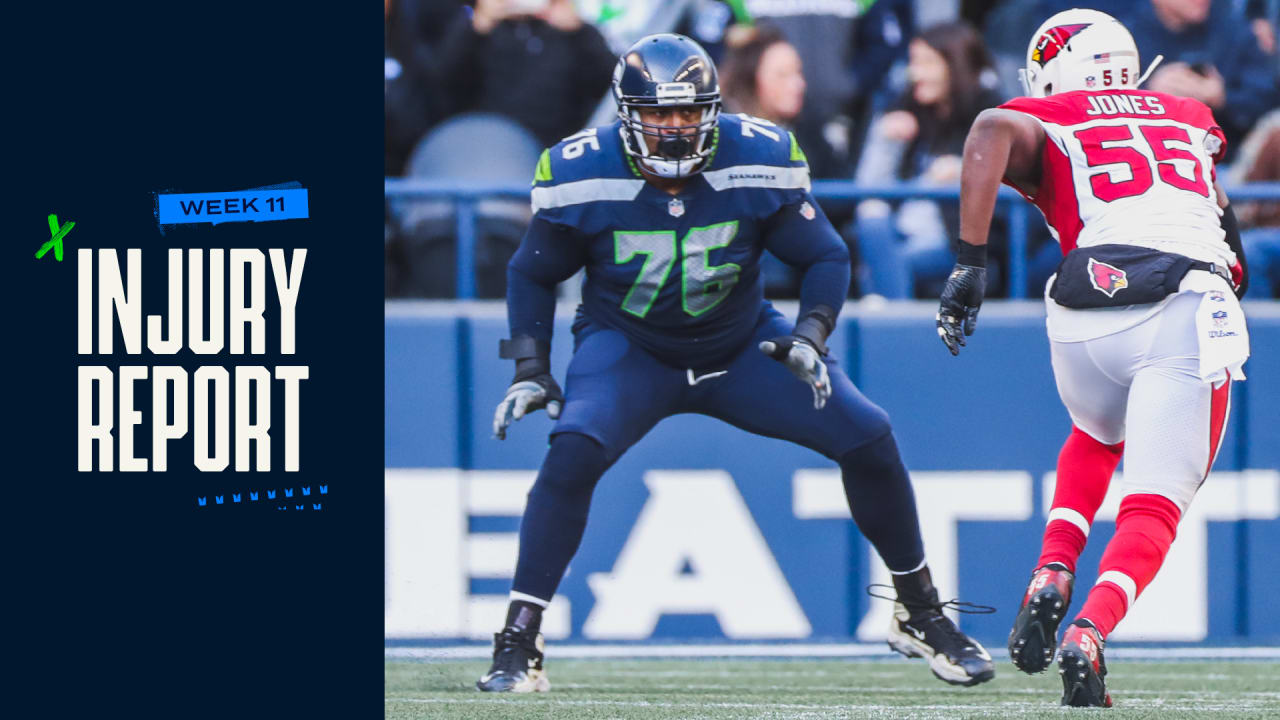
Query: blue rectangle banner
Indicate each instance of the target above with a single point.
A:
(700, 514)
(240, 206)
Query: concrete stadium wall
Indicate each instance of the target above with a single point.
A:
(703, 531)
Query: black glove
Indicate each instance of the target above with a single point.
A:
(962, 296)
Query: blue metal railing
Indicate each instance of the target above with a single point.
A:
(465, 195)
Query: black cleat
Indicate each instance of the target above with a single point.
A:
(1035, 631)
(1082, 668)
(953, 656)
(517, 664)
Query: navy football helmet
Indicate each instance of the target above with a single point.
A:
(667, 70)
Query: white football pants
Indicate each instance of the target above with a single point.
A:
(1142, 385)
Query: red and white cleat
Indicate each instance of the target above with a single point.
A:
(1035, 631)
(1082, 668)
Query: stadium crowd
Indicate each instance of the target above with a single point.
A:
(876, 91)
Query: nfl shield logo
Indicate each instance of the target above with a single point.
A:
(807, 211)
(675, 207)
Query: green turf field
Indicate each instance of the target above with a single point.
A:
(716, 689)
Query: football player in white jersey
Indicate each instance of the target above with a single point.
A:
(1145, 328)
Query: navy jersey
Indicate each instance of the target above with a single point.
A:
(678, 274)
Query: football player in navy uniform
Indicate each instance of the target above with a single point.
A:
(669, 209)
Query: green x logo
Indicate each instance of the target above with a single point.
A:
(56, 233)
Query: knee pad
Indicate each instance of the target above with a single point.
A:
(877, 458)
(573, 465)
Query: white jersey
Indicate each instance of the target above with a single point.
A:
(1128, 167)
(1137, 168)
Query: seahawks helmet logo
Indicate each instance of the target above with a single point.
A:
(1053, 40)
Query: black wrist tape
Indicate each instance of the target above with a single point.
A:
(523, 346)
(815, 326)
(533, 357)
(970, 254)
(527, 368)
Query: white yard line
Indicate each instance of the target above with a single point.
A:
(713, 670)
(906, 690)
(800, 650)
(950, 710)
(697, 704)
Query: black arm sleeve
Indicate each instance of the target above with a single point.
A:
(805, 239)
(548, 255)
(1232, 229)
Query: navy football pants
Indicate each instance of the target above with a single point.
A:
(616, 392)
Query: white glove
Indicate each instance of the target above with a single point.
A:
(804, 361)
(524, 397)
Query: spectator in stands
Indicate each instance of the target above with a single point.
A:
(412, 101)
(907, 250)
(762, 76)
(880, 42)
(1210, 54)
(1259, 161)
(845, 48)
(1007, 26)
(532, 60)
(1262, 24)
(1005, 29)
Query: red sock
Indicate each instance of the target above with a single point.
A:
(1085, 467)
(1145, 529)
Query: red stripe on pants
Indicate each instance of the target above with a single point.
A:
(1219, 408)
